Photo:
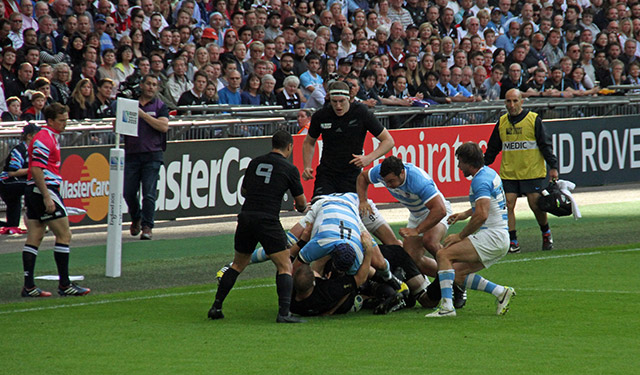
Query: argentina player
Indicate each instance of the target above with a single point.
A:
(482, 242)
(336, 223)
(428, 210)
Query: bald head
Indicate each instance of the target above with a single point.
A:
(513, 102)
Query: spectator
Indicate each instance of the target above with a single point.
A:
(290, 97)
(61, 77)
(492, 84)
(102, 105)
(211, 93)
(178, 82)
(579, 85)
(13, 112)
(38, 101)
(514, 80)
(195, 96)
(19, 86)
(431, 91)
(617, 74)
(455, 82)
(508, 40)
(311, 80)
(231, 93)
(286, 70)
(552, 49)
(251, 93)
(477, 87)
(267, 96)
(81, 104)
(13, 177)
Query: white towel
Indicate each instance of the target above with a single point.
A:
(566, 187)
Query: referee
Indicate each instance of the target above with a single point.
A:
(267, 179)
(343, 126)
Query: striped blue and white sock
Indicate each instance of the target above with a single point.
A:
(446, 287)
(259, 255)
(477, 282)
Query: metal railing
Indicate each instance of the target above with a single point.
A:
(222, 121)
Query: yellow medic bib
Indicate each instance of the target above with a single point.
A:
(521, 158)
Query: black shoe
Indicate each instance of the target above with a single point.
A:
(547, 241)
(514, 247)
(215, 314)
(289, 319)
(459, 296)
(391, 304)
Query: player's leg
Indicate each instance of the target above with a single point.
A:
(35, 234)
(490, 245)
(245, 240)
(542, 219)
(385, 234)
(379, 227)
(414, 247)
(226, 283)
(462, 251)
(284, 286)
(62, 233)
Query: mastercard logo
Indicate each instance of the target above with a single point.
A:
(85, 184)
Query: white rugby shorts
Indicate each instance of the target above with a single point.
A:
(490, 244)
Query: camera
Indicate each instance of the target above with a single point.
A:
(130, 88)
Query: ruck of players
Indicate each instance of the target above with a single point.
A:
(343, 256)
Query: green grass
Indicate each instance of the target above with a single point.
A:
(575, 313)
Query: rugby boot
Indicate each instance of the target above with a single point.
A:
(547, 240)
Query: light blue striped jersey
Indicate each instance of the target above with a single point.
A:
(418, 188)
(487, 184)
(336, 221)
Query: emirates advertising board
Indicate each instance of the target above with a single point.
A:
(201, 178)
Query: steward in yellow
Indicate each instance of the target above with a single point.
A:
(525, 146)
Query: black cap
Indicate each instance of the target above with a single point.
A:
(344, 60)
(30, 129)
(399, 66)
(274, 14)
(359, 55)
(412, 26)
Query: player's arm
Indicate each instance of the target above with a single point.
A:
(305, 236)
(362, 185)
(308, 149)
(459, 216)
(363, 272)
(437, 211)
(38, 178)
(386, 144)
(478, 218)
(300, 203)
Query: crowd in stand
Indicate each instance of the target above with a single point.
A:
(280, 52)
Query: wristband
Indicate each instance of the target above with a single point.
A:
(301, 243)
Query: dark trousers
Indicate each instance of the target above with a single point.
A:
(142, 169)
(11, 194)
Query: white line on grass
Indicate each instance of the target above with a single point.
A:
(141, 298)
(566, 256)
(563, 290)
